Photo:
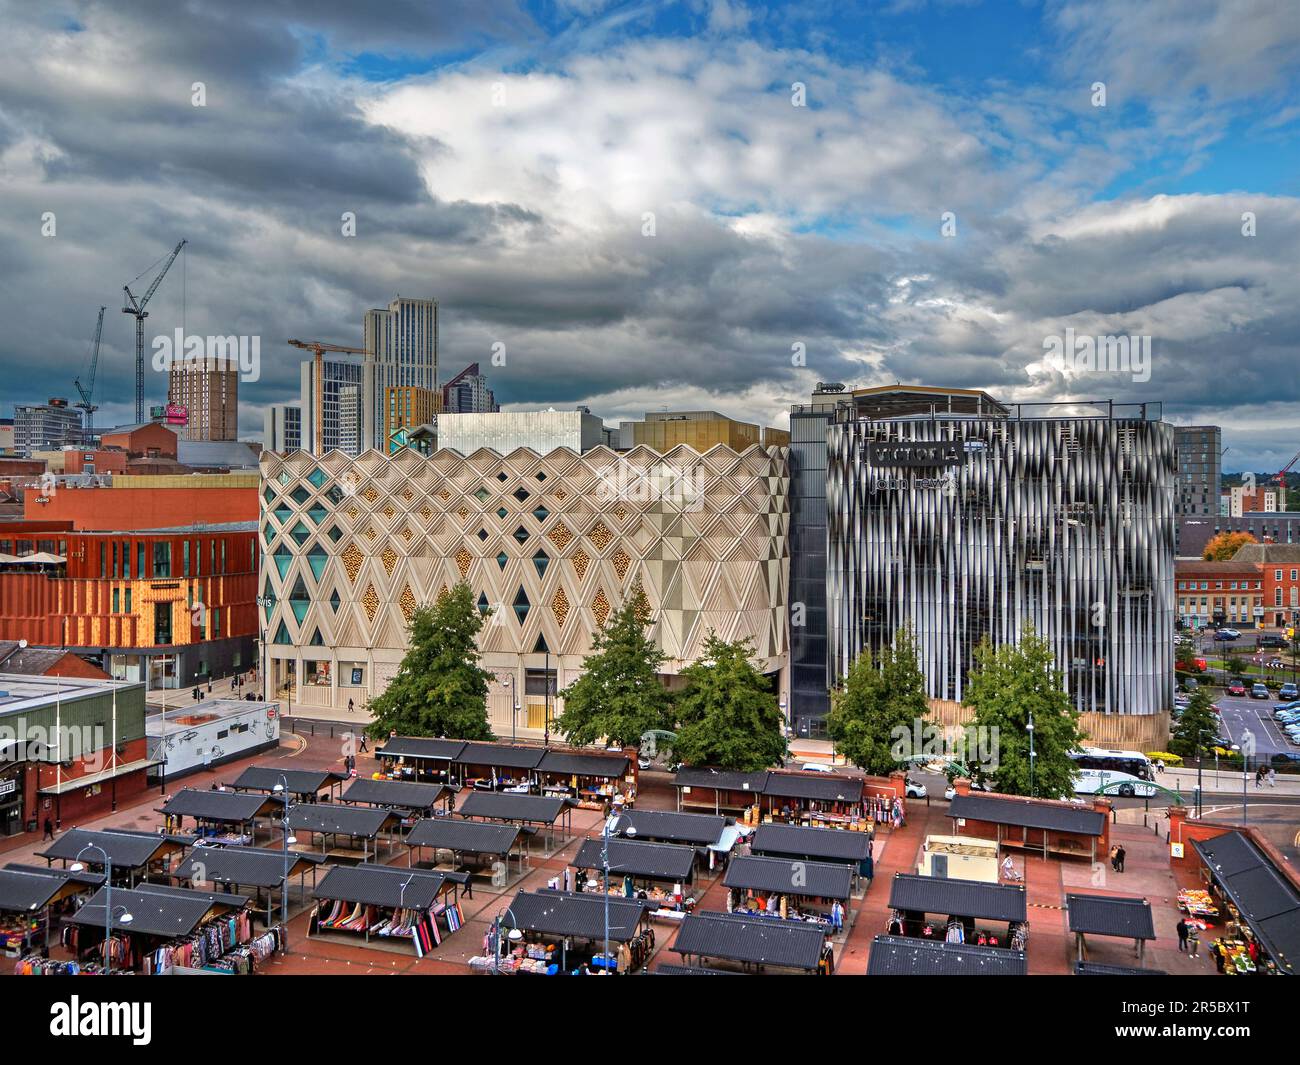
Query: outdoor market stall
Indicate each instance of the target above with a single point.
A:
(1061, 828)
(899, 956)
(816, 799)
(789, 890)
(660, 873)
(497, 766)
(690, 970)
(705, 788)
(529, 811)
(339, 829)
(171, 926)
(796, 843)
(1259, 905)
(386, 905)
(713, 836)
(552, 933)
(1092, 968)
(134, 855)
(755, 942)
(303, 785)
(32, 899)
(473, 845)
(229, 816)
(594, 781)
(420, 760)
(407, 798)
(1109, 915)
(963, 903)
(237, 868)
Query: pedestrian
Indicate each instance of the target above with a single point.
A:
(1114, 859)
(1120, 852)
(1194, 940)
(351, 706)
(1272, 777)
(1181, 929)
(363, 748)
(49, 830)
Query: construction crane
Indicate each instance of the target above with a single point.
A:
(318, 419)
(1281, 481)
(137, 309)
(88, 390)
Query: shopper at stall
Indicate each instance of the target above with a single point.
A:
(1181, 929)
(1194, 940)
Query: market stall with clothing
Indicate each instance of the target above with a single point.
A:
(344, 834)
(420, 760)
(134, 855)
(778, 888)
(970, 911)
(474, 847)
(32, 900)
(531, 812)
(555, 933)
(900, 956)
(227, 816)
(239, 869)
(834, 845)
(755, 944)
(593, 781)
(387, 906)
(661, 873)
(1121, 917)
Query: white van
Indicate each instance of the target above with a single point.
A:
(1111, 782)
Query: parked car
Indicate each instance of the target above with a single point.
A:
(1227, 635)
(1288, 691)
(915, 790)
(1259, 691)
(1237, 688)
(642, 761)
(1191, 684)
(1282, 708)
(816, 767)
(1271, 640)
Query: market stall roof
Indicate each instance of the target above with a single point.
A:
(113, 772)
(25, 888)
(665, 826)
(500, 756)
(1106, 915)
(298, 781)
(382, 885)
(582, 916)
(1028, 813)
(900, 956)
(825, 844)
(503, 806)
(362, 821)
(1095, 968)
(571, 763)
(245, 866)
(167, 912)
(758, 940)
(782, 876)
(399, 794)
(468, 837)
(691, 970)
(126, 850)
(814, 787)
(420, 747)
(1261, 892)
(958, 898)
(653, 861)
(720, 779)
(226, 807)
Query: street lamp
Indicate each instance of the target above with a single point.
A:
(109, 913)
(282, 790)
(1032, 754)
(610, 824)
(514, 936)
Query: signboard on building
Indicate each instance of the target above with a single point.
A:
(177, 415)
(925, 454)
(157, 412)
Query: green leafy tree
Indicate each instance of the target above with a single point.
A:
(619, 695)
(1198, 727)
(1008, 683)
(440, 689)
(879, 697)
(727, 713)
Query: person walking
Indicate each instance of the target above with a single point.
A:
(49, 830)
(1181, 929)
(1194, 940)
(351, 706)
(363, 748)
(1120, 853)
(1272, 777)
(1114, 859)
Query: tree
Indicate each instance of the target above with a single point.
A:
(1222, 547)
(877, 698)
(440, 689)
(727, 713)
(1197, 728)
(1008, 683)
(619, 695)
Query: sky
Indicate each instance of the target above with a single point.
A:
(642, 206)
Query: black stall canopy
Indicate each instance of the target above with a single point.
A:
(131, 853)
(164, 912)
(1121, 917)
(811, 844)
(304, 784)
(783, 876)
(958, 898)
(1065, 820)
(31, 888)
(519, 810)
(481, 839)
(389, 905)
(751, 941)
(406, 796)
(332, 821)
(669, 826)
(900, 956)
(1092, 968)
(491, 760)
(247, 867)
(387, 886)
(721, 789)
(575, 915)
(229, 809)
(417, 757)
(663, 862)
(691, 970)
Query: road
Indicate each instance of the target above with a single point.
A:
(1242, 717)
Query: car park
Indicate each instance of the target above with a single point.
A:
(1259, 691)
(1283, 708)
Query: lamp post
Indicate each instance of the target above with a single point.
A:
(515, 936)
(610, 823)
(282, 789)
(1032, 754)
(77, 867)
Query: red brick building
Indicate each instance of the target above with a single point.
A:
(1279, 566)
(1231, 593)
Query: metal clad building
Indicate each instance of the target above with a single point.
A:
(964, 526)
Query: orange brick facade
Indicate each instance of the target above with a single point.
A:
(142, 508)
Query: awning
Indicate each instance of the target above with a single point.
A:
(399, 794)
(385, 885)
(782, 876)
(167, 912)
(958, 898)
(666, 826)
(756, 940)
(244, 866)
(122, 769)
(24, 889)
(1261, 892)
(223, 807)
(502, 806)
(816, 844)
(900, 956)
(297, 781)
(418, 747)
(364, 822)
(466, 837)
(650, 861)
(1029, 813)
(564, 913)
(126, 850)
(1106, 915)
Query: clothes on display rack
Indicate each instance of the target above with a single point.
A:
(208, 944)
(34, 965)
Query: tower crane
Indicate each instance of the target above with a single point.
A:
(137, 309)
(88, 390)
(1281, 481)
(317, 346)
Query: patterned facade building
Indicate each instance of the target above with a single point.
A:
(549, 544)
(966, 526)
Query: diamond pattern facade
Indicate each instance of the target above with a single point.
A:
(578, 531)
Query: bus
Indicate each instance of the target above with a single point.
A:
(1111, 782)
(1129, 766)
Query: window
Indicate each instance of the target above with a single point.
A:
(126, 559)
(162, 623)
(185, 559)
(162, 563)
(115, 601)
(128, 600)
(539, 682)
